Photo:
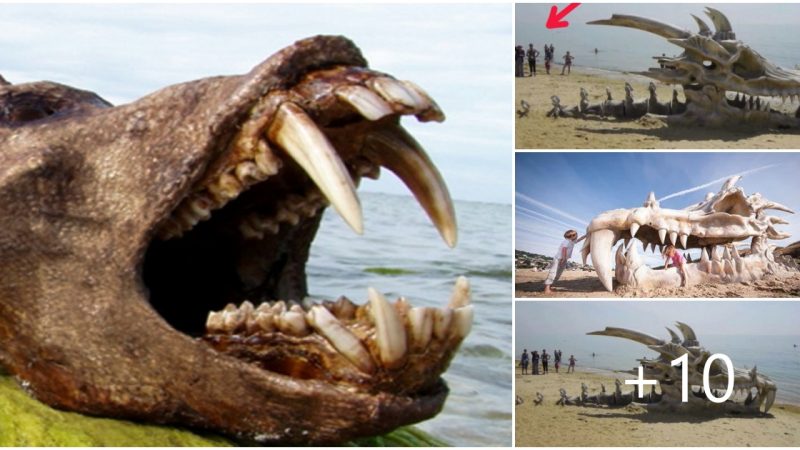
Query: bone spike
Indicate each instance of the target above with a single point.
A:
(297, 134)
(662, 29)
(390, 336)
(721, 23)
(461, 293)
(684, 238)
(730, 182)
(634, 229)
(687, 331)
(673, 237)
(602, 241)
(441, 322)
(396, 150)
(674, 336)
(365, 101)
(651, 198)
(662, 234)
(637, 336)
(462, 322)
(770, 400)
(704, 30)
(393, 91)
(421, 321)
(341, 338)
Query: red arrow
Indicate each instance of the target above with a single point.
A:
(555, 20)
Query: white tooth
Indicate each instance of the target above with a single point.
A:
(714, 254)
(441, 322)
(299, 136)
(735, 254)
(662, 234)
(263, 307)
(634, 229)
(266, 161)
(421, 321)
(341, 338)
(673, 237)
(246, 307)
(366, 102)
(293, 323)
(247, 172)
(225, 187)
(265, 321)
(232, 320)
(431, 110)
(278, 308)
(703, 255)
(461, 293)
(462, 321)
(601, 243)
(390, 335)
(215, 322)
(201, 207)
(393, 91)
(393, 148)
(728, 267)
(684, 238)
(726, 254)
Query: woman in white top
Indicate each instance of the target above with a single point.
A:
(561, 257)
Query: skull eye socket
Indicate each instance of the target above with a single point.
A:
(708, 64)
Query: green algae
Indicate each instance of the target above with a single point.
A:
(388, 271)
(26, 422)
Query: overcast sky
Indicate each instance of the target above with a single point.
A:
(558, 191)
(459, 54)
(715, 317)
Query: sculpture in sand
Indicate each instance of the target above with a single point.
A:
(713, 225)
(753, 392)
(725, 82)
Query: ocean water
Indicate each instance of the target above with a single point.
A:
(774, 356)
(400, 253)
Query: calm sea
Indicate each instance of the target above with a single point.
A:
(398, 237)
(775, 356)
(623, 49)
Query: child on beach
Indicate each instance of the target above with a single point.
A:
(677, 260)
(567, 63)
(524, 361)
(572, 361)
(560, 259)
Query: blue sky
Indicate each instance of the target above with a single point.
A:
(557, 191)
(122, 52)
(706, 317)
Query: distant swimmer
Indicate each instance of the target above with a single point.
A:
(592, 355)
(595, 51)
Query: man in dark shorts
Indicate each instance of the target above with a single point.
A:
(532, 55)
(524, 361)
(545, 358)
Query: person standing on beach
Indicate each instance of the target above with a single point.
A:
(677, 260)
(557, 359)
(572, 361)
(519, 60)
(567, 63)
(559, 262)
(524, 361)
(532, 55)
(545, 357)
(535, 361)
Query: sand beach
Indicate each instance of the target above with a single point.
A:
(536, 131)
(555, 426)
(581, 284)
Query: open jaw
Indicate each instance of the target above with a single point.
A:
(714, 225)
(228, 264)
(754, 392)
(724, 81)
(175, 276)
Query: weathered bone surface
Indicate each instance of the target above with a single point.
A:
(725, 82)
(713, 225)
(754, 392)
(122, 227)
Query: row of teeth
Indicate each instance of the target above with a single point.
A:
(398, 328)
(289, 210)
(751, 101)
(293, 131)
(674, 236)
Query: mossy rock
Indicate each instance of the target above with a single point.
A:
(24, 421)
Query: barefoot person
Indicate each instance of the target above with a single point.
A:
(567, 63)
(670, 254)
(560, 259)
(572, 360)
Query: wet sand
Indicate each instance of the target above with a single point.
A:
(581, 284)
(538, 131)
(632, 426)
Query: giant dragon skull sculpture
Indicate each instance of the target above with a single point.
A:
(122, 227)
(753, 392)
(713, 225)
(725, 82)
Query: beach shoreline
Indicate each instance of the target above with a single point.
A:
(537, 131)
(551, 425)
(580, 284)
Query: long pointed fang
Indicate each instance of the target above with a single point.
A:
(390, 335)
(366, 102)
